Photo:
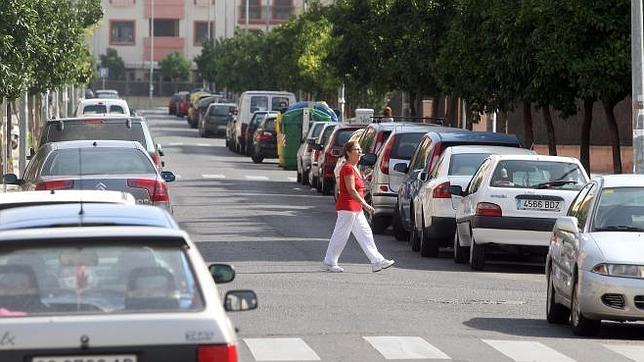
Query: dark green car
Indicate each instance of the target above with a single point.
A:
(216, 118)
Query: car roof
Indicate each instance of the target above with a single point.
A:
(488, 149)
(222, 104)
(625, 180)
(107, 117)
(103, 101)
(92, 214)
(267, 92)
(33, 198)
(342, 126)
(456, 135)
(106, 91)
(94, 143)
(535, 157)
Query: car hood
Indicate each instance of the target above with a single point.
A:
(621, 247)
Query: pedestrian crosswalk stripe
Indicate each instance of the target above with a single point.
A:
(217, 177)
(257, 178)
(631, 351)
(405, 348)
(280, 349)
(292, 178)
(174, 144)
(203, 144)
(523, 351)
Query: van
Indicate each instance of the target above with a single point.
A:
(253, 101)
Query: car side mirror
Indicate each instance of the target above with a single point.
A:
(222, 273)
(568, 224)
(160, 150)
(311, 141)
(10, 179)
(240, 300)
(401, 167)
(422, 176)
(317, 147)
(168, 176)
(456, 190)
(368, 159)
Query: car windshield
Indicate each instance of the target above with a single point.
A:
(96, 279)
(97, 161)
(94, 130)
(257, 119)
(465, 164)
(620, 209)
(538, 175)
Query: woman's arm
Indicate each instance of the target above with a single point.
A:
(350, 182)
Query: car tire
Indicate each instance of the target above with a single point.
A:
(477, 256)
(327, 188)
(461, 253)
(257, 157)
(399, 232)
(428, 246)
(581, 326)
(378, 223)
(318, 184)
(555, 312)
(414, 241)
(305, 178)
(299, 177)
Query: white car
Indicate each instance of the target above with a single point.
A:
(113, 293)
(595, 264)
(94, 106)
(514, 200)
(33, 198)
(436, 211)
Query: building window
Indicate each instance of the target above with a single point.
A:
(254, 9)
(122, 32)
(282, 9)
(201, 32)
(166, 27)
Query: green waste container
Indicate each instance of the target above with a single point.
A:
(291, 133)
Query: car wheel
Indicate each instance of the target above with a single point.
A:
(428, 246)
(318, 184)
(378, 223)
(477, 256)
(555, 312)
(299, 177)
(257, 157)
(193, 124)
(305, 178)
(399, 232)
(581, 326)
(414, 241)
(327, 187)
(460, 252)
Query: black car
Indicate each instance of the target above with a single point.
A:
(249, 132)
(265, 140)
(216, 117)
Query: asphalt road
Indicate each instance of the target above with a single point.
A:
(275, 232)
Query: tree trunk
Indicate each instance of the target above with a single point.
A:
(435, 106)
(528, 129)
(452, 111)
(8, 143)
(584, 142)
(412, 104)
(504, 122)
(613, 131)
(550, 128)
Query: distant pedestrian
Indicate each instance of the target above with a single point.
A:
(387, 114)
(351, 218)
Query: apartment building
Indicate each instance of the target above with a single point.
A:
(180, 26)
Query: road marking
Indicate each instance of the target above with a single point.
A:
(524, 351)
(203, 144)
(405, 348)
(636, 353)
(294, 179)
(174, 144)
(216, 177)
(178, 177)
(280, 349)
(257, 178)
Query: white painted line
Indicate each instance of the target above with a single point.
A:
(174, 144)
(631, 351)
(280, 349)
(216, 177)
(203, 144)
(257, 178)
(294, 179)
(524, 351)
(178, 177)
(405, 348)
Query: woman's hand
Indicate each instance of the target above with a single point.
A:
(368, 208)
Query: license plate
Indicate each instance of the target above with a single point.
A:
(98, 358)
(541, 205)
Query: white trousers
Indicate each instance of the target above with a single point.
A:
(351, 222)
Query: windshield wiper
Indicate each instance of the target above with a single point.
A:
(545, 185)
(619, 228)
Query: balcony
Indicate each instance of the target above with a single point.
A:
(164, 9)
(257, 14)
(163, 45)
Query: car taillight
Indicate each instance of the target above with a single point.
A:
(266, 136)
(55, 185)
(217, 353)
(442, 191)
(156, 159)
(380, 138)
(386, 155)
(488, 209)
(435, 155)
(157, 189)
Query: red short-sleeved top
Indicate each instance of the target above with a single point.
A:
(345, 202)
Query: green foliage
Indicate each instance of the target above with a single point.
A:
(175, 67)
(113, 61)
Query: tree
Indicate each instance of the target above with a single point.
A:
(175, 67)
(112, 61)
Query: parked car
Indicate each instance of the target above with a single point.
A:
(265, 140)
(103, 128)
(11, 200)
(183, 106)
(249, 133)
(436, 207)
(173, 103)
(514, 200)
(318, 146)
(193, 108)
(216, 118)
(422, 162)
(381, 180)
(96, 165)
(596, 256)
(98, 106)
(202, 107)
(330, 154)
(304, 152)
(65, 291)
(106, 94)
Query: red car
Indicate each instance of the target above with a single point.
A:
(173, 103)
(183, 105)
(329, 156)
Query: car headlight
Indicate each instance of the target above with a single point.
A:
(620, 270)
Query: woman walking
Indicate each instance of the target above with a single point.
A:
(351, 219)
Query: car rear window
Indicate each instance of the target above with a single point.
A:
(220, 110)
(405, 145)
(538, 175)
(270, 124)
(465, 164)
(95, 109)
(315, 132)
(97, 161)
(117, 109)
(94, 130)
(342, 136)
(96, 279)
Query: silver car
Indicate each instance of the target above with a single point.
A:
(595, 262)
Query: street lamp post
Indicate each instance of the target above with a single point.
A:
(268, 13)
(209, 21)
(247, 13)
(637, 96)
(151, 51)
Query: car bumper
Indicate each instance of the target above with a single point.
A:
(443, 228)
(384, 203)
(511, 237)
(215, 127)
(594, 286)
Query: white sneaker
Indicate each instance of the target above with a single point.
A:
(332, 268)
(383, 264)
